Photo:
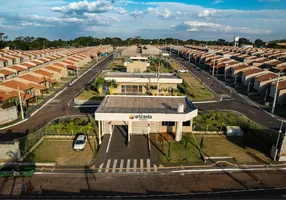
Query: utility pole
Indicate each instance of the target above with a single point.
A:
(213, 65)
(77, 71)
(275, 94)
(266, 93)
(21, 106)
(158, 76)
(278, 138)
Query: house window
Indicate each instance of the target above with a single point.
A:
(131, 89)
(5, 64)
(187, 123)
(168, 123)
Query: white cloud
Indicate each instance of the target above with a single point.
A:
(205, 13)
(27, 24)
(165, 14)
(99, 6)
(218, 1)
(137, 13)
(120, 10)
(192, 26)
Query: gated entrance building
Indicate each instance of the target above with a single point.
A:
(146, 114)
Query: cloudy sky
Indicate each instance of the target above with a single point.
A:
(184, 19)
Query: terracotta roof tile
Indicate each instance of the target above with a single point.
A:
(15, 84)
(32, 78)
(6, 72)
(252, 71)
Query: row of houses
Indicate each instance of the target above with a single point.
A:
(34, 78)
(256, 73)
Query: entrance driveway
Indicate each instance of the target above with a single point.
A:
(120, 149)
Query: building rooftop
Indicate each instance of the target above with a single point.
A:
(139, 75)
(252, 71)
(266, 77)
(144, 104)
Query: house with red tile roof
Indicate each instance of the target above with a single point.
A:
(6, 74)
(263, 82)
(248, 75)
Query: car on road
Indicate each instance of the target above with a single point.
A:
(182, 71)
(80, 142)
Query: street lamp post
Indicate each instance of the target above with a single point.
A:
(278, 138)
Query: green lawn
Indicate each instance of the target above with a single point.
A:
(87, 94)
(253, 147)
(176, 66)
(61, 152)
(196, 90)
(179, 152)
(187, 151)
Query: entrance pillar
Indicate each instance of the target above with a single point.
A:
(179, 126)
(99, 132)
(191, 124)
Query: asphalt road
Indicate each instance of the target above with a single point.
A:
(201, 185)
(234, 101)
(59, 106)
(56, 108)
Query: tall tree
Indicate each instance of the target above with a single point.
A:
(259, 43)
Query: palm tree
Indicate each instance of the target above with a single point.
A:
(208, 120)
(112, 85)
(220, 124)
(88, 128)
(99, 83)
(59, 126)
(70, 126)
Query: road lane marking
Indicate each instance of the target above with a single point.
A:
(121, 165)
(155, 168)
(128, 165)
(134, 165)
(114, 166)
(100, 167)
(107, 165)
(251, 112)
(141, 165)
(148, 165)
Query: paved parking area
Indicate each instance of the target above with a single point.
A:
(136, 154)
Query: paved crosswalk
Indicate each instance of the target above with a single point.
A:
(127, 166)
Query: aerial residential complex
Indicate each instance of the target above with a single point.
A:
(255, 68)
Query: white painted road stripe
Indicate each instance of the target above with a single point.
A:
(114, 166)
(107, 165)
(148, 165)
(155, 168)
(128, 165)
(121, 165)
(134, 165)
(141, 165)
(100, 167)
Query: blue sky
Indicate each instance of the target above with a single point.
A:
(184, 19)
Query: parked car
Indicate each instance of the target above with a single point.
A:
(17, 170)
(182, 71)
(79, 143)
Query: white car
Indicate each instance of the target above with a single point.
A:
(182, 71)
(79, 143)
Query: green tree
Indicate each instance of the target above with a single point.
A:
(112, 85)
(88, 128)
(70, 127)
(208, 120)
(59, 127)
(99, 83)
(259, 43)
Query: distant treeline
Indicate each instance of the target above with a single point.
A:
(31, 43)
